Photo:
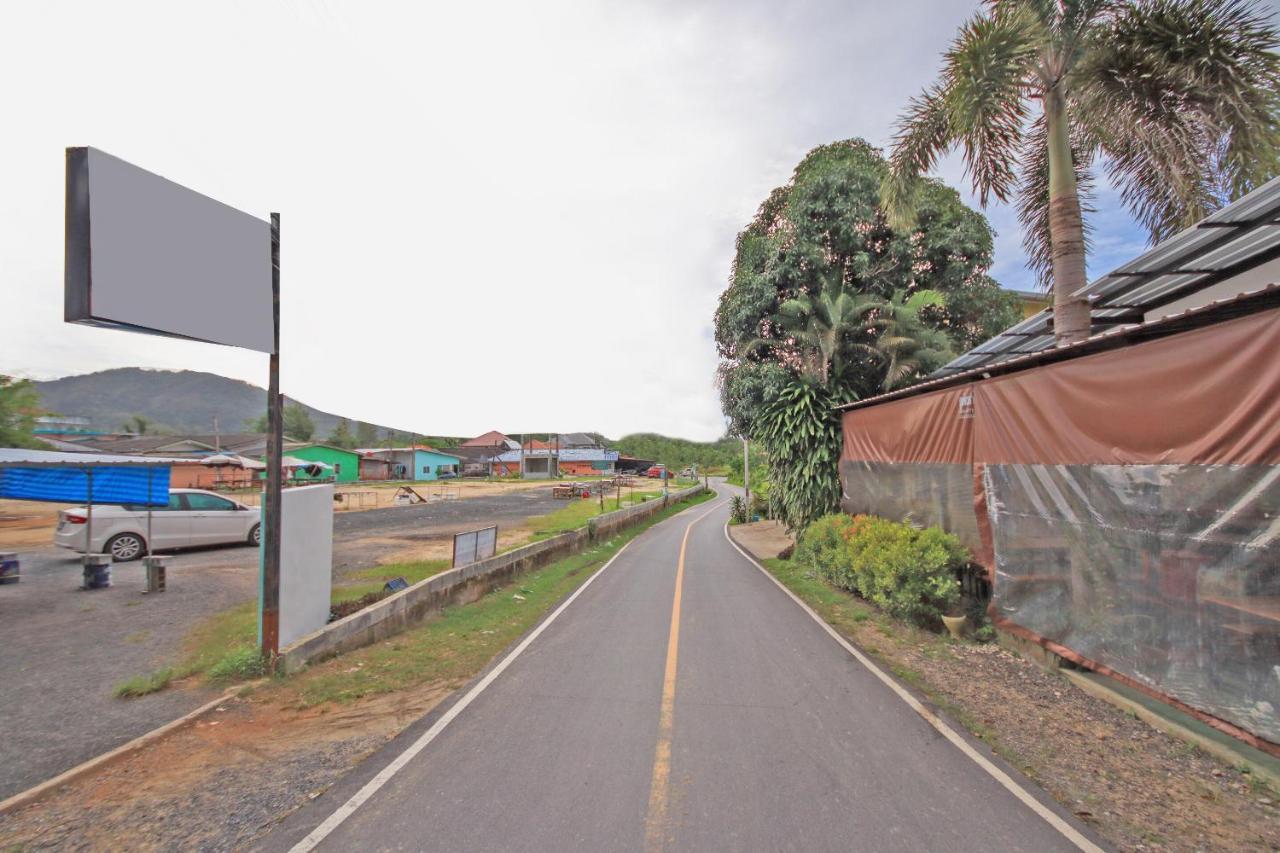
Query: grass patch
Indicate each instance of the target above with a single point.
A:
(223, 648)
(239, 664)
(577, 512)
(460, 641)
(141, 685)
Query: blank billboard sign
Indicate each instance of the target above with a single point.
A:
(148, 255)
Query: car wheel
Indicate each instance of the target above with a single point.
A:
(255, 535)
(125, 547)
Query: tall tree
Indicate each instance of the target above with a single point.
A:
(19, 407)
(297, 423)
(1177, 100)
(366, 434)
(340, 435)
(817, 259)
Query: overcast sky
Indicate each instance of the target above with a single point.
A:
(495, 215)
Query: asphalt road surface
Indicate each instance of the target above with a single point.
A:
(682, 701)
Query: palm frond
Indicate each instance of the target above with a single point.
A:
(923, 134)
(1184, 96)
(987, 71)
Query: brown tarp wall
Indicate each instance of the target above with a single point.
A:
(1126, 506)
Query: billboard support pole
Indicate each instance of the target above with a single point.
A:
(269, 629)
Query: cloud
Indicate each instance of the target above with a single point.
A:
(507, 214)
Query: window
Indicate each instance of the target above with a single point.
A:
(208, 503)
(426, 469)
(175, 503)
(337, 468)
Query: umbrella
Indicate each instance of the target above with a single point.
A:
(222, 460)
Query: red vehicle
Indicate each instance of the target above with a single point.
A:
(657, 472)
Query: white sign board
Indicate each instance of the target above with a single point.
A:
(306, 560)
(148, 255)
(474, 546)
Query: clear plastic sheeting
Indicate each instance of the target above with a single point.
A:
(929, 494)
(1168, 574)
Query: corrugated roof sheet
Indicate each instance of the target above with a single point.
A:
(1242, 235)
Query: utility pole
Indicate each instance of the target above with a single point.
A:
(269, 626)
(746, 473)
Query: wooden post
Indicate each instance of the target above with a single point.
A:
(269, 625)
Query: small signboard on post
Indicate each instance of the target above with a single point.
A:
(474, 546)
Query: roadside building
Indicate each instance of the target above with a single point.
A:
(587, 462)
(344, 464)
(1120, 494)
(415, 463)
(374, 468)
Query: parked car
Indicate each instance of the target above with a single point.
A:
(446, 475)
(689, 472)
(657, 472)
(193, 518)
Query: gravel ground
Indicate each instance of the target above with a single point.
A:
(64, 650)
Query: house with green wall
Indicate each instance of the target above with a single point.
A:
(345, 463)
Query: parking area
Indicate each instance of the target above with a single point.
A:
(63, 650)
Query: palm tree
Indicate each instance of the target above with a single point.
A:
(1177, 100)
(909, 346)
(821, 329)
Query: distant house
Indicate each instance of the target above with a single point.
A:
(1032, 302)
(374, 468)
(493, 438)
(587, 461)
(345, 464)
(413, 463)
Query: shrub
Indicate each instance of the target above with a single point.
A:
(908, 573)
(737, 510)
(240, 664)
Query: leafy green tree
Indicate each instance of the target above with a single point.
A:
(1178, 100)
(800, 429)
(19, 407)
(297, 423)
(366, 434)
(341, 436)
(909, 345)
(821, 247)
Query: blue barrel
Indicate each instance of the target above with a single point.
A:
(8, 568)
(97, 571)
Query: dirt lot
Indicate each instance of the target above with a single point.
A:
(1141, 788)
(67, 649)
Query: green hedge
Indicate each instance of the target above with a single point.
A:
(908, 573)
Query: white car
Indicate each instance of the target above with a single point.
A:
(193, 518)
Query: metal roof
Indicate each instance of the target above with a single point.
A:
(1220, 311)
(17, 457)
(1240, 236)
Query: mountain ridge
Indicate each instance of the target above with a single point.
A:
(179, 401)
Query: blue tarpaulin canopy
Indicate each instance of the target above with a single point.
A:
(87, 478)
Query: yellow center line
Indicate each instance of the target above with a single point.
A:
(655, 825)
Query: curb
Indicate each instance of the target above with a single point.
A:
(37, 792)
(1227, 753)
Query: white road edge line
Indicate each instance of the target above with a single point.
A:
(371, 787)
(1043, 811)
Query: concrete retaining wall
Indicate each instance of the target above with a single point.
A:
(397, 612)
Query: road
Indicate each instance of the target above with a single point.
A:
(682, 701)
